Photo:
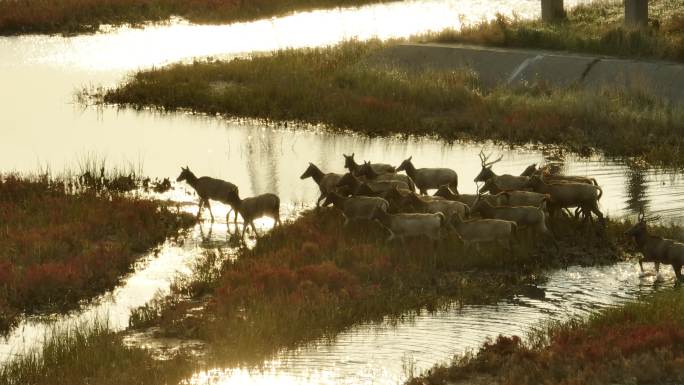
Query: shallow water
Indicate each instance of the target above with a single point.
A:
(41, 127)
(382, 353)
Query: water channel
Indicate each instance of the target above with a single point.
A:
(40, 127)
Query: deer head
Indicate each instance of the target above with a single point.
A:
(486, 171)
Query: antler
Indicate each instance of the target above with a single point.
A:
(497, 160)
(484, 158)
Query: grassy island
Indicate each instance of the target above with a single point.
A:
(65, 240)
(641, 342)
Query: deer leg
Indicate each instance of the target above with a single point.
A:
(209, 207)
(599, 215)
(657, 269)
(276, 217)
(423, 191)
(320, 198)
(199, 210)
(228, 217)
(256, 234)
(678, 271)
(245, 224)
(391, 236)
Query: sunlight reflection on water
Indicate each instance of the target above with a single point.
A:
(39, 74)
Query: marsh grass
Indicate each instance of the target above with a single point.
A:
(65, 240)
(79, 16)
(90, 354)
(596, 27)
(332, 86)
(312, 279)
(640, 342)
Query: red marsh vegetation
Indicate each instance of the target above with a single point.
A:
(58, 246)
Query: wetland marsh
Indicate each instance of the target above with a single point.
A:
(388, 346)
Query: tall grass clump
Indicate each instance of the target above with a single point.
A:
(312, 278)
(641, 342)
(78, 16)
(336, 87)
(596, 27)
(90, 354)
(64, 240)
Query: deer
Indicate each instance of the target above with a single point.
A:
(529, 170)
(566, 195)
(326, 182)
(656, 249)
(500, 199)
(411, 225)
(366, 170)
(209, 188)
(514, 197)
(557, 178)
(353, 167)
(504, 182)
(476, 231)
(378, 186)
(446, 207)
(356, 207)
(429, 178)
(446, 192)
(264, 205)
(523, 216)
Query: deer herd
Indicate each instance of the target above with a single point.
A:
(503, 206)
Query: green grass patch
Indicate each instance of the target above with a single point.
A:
(78, 16)
(596, 27)
(332, 86)
(641, 342)
(67, 239)
(91, 354)
(312, 279)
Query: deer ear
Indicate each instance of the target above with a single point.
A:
(410, 157)
(352, 155)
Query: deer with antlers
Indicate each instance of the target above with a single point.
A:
(504, 182)
(656, 249)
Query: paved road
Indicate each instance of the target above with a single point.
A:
(513, 66)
